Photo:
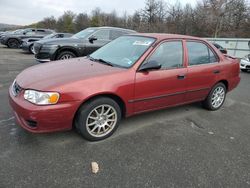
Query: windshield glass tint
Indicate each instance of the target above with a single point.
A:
(124, 51)
(84, 33)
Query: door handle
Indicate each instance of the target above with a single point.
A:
(181, 77)
(216, 71)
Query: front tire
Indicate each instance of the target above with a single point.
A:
(98, 119)
(216, 97)
(13, 43)
(66, 55)
(31, 49)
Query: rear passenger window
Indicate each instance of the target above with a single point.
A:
(213, 57)
(41, 32)
(199, 53)
(169, 55)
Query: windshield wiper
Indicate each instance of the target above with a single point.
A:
(101, 61)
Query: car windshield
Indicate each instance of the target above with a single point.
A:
(123, 51)
(84, 33)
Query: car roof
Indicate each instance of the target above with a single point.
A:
(162, 36)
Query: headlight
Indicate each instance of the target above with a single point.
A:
(41, 98)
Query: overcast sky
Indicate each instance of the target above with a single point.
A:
(24, 12)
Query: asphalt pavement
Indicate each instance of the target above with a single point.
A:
(185, 146)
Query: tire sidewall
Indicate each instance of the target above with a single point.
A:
(84, 111)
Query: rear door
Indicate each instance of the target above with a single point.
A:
(156, 89)
(203, 69)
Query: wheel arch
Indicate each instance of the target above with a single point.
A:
(225, 82)
(113, 96)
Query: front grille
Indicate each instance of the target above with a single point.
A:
(37, 47)
(248, 67)
(16, 89)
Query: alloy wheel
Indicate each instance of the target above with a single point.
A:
(101, 120)
(32, 49)
(66, 56)
(218, 97)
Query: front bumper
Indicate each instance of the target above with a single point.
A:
(244, 64)
(40, 119)
(45, 56)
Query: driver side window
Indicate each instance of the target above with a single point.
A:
(102, 34)
(169, 55)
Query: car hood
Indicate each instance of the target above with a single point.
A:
(60, 41)
(46, 77)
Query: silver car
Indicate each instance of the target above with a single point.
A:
(245, 63)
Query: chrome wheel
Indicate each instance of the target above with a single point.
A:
(101, 120)
(218, 97)
(66, 56)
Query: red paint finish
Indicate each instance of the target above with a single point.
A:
(80, 79)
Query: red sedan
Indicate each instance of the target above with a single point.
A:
(128, 76)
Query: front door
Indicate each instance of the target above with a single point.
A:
(156, 89)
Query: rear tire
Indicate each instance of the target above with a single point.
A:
(216, 97)
(13, 43)
(98, 119)
(65, 55)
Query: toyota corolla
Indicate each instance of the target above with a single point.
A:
(130, 75)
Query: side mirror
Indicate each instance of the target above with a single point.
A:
(224, 51)
(150, 65)
(92, 39)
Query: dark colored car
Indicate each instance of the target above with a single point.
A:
(219, 47)
(80, 44)
(14, 40)
(130, 75)
(28, 43)
(18, 31)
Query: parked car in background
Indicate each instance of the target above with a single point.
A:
(14, 40)
(245, 63)
(130, 75)
(18, 31)
(80, 44)
(219, 47)
(28, 43)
